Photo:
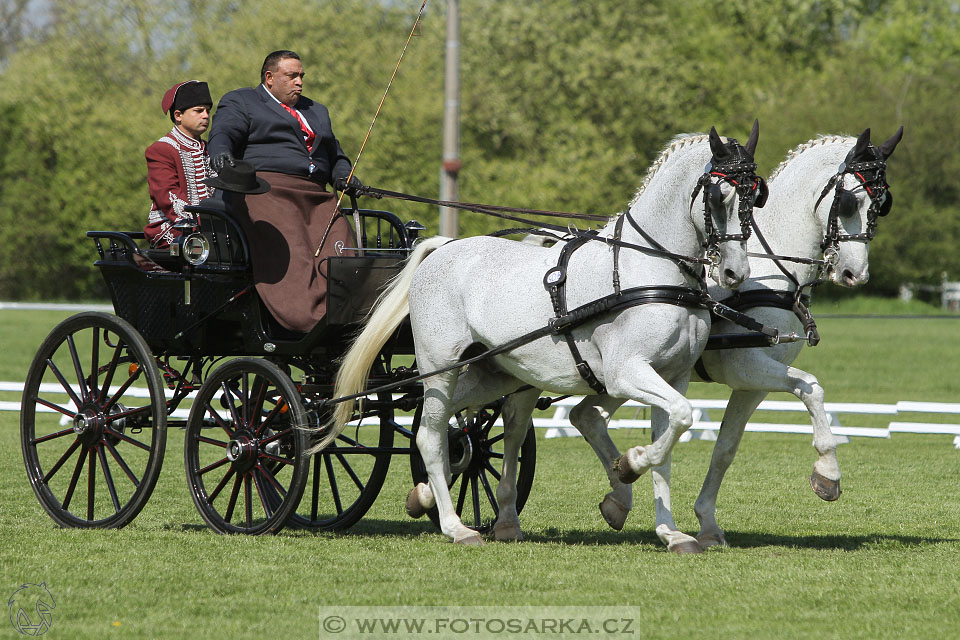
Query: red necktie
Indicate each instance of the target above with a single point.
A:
(309, 136)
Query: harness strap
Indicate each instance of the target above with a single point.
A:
(796, 302)
(555, 281)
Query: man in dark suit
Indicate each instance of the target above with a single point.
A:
(289, 140)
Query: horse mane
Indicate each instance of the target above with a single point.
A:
(820, 140)
(678, 142)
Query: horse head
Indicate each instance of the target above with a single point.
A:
(860, 196)
(731, 189)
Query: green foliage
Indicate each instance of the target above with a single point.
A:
(563, 105)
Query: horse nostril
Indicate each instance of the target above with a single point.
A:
(730, 274)
(848, 275)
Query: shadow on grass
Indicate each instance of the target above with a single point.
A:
(379, 528)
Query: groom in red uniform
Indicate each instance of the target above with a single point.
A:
(288, 139)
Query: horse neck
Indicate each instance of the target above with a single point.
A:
(789, 221)
(663, 209)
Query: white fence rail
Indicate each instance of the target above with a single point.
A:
(703, 427)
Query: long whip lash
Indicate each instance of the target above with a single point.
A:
(413, 30)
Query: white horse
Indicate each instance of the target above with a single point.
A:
(480, 293)
(800, 220)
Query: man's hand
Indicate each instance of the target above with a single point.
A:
(353, 188)
(219, 161)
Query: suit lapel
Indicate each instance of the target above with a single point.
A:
(274, 106)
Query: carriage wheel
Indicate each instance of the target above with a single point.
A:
(346, 477)
(476, 459)
(93, 422)
(244, 450)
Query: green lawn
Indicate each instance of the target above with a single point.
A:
(879, 563)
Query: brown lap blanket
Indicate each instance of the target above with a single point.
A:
(284, 227)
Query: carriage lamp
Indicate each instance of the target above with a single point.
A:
(413, 230)
(196, 249)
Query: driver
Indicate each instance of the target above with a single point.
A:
(288, 139)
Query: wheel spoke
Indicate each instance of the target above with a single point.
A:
(66, 456)
(223, 482)
(56, 407)
(91, 482)
(73, 480)
(123, 465)
(261, 494)
(475, 496)
(248, 498)
(334, 490)
(270, 456)
(52, 436)
(276, 436)
(350, 472)
(315, 498)
(108, 478)
(111, 369)
(245, 410)
(463, 494)
(94, 362)
(228, 397)
(487, 490)
(72, 346)
(217, 419)
(237, 483)
(494, 440)
(212, 466)
(63, 382)
(493, 471)
(260, 386)
(216, 443)
(273, 480)
(126, 438)
(123, 388)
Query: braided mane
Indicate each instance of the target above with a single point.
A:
(678, 142)
(822, 139)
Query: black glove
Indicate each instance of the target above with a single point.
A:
(219, 161)
(353, 188)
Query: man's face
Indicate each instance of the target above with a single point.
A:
(286, 83)
(194, 121)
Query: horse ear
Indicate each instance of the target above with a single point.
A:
(751, 146)
(863, 142)
(886, 148)
(716, 144)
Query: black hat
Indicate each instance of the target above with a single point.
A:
(184, 95)
(240, 177)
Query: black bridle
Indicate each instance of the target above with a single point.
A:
(872, 176)
(739, 171)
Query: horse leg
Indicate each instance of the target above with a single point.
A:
(591, 418)
(432, 444)
(666, 528)
(740, 407)
(517, 411)
(637, 379)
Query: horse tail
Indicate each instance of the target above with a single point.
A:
(391, 307)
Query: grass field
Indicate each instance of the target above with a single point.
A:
(879, 563)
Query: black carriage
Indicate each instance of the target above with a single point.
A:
(189, 329)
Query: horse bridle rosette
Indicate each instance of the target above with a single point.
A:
(872, 177)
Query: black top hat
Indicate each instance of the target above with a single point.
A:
(240, 177)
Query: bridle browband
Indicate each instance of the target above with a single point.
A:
(872, 176)
(740, 173)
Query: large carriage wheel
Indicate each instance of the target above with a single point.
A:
(476, 459)
(244, 449)
(346, 477)
(93, 422)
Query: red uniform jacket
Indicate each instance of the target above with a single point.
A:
(176, 164)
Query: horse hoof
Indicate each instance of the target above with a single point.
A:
(688, 546)
(625, 474)
(415, 501)
(471, 539)
(507, 533)
(825, 488)
(613, 512)
(709, 541)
